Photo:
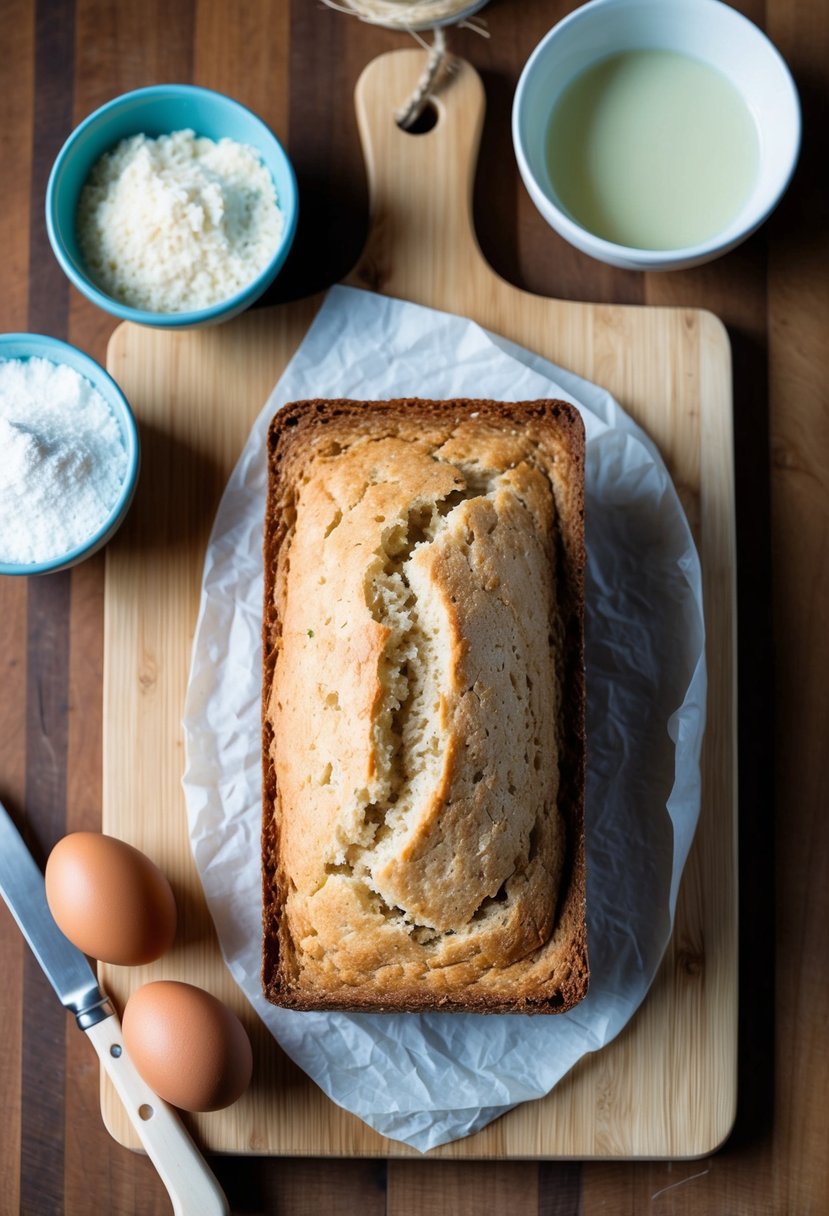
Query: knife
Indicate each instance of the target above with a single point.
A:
(192, 1188)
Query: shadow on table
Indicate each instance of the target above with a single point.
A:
(755, 1101)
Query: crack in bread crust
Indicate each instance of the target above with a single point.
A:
(417, 852)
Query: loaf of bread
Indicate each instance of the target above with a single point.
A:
(423, 707)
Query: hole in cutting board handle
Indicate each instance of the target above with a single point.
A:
(426, 120)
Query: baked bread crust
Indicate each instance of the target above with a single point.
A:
(423, 707)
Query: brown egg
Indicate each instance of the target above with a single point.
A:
(189, 1047)
(109, 899)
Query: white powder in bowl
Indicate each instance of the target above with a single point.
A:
(178, 223)
(62, 460)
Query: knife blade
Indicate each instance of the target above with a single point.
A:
(66, 968)
(193, 1189)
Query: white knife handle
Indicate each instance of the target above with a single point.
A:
(193, 1189)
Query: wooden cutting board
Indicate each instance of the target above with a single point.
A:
(667, 1086)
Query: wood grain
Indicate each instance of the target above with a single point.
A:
(16, 106)
(771, 295)
(13, 697)
(420, 1188)
(196, 396)
(798, 309)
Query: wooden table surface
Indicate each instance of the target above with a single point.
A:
(295, 63)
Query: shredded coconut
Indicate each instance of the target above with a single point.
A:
(178, 223)
(62, 460)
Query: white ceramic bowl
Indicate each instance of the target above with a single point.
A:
(704, 29)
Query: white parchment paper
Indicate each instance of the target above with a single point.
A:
(430, 1078)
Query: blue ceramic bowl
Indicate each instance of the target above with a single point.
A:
(27, 346)
(160, 110)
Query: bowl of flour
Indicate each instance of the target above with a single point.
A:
(69, 455)
(172, 206)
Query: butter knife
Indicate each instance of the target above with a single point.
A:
(193, 1189)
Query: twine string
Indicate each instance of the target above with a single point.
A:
(409, 113)
(411, 17)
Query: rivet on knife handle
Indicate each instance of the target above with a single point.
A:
(191, 1186)
(193, 1189)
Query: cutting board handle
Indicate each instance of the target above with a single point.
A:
(420, 186)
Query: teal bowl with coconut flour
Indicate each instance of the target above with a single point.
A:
(153, 112)
(19, 349)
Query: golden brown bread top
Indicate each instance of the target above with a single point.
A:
(424, 579)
